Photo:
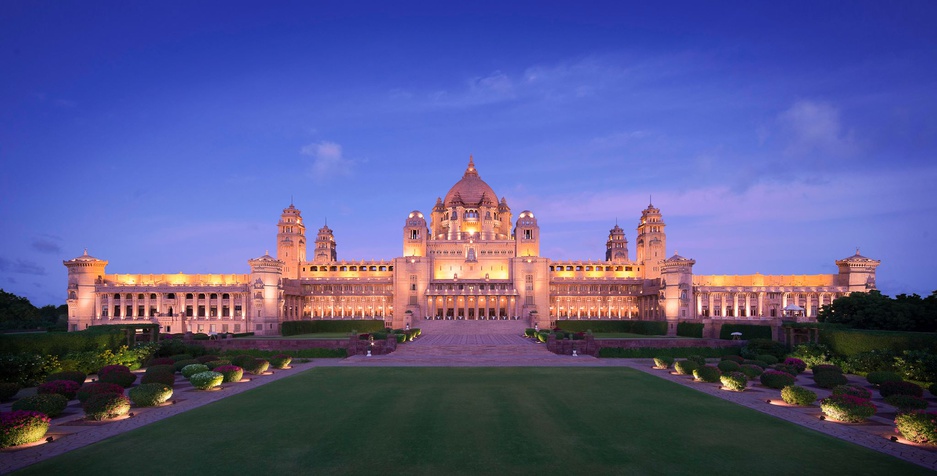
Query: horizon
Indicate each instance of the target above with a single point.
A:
(775, 139)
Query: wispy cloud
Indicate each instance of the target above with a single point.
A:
(21, 266)
(47, 244)
(812, 127)
(328, 160)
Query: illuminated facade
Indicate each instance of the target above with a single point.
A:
(471, 261)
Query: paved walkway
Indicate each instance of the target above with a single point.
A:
(472, 350)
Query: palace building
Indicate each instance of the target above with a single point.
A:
(469, 259)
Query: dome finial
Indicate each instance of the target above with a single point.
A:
(86, 251)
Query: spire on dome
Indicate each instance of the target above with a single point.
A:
(470, 170)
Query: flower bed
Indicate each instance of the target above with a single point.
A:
(94, 388)
(206, 380)
(65, 388)
(150, 394)
(112, 368)
(798, 364)
(776, 380)
(735, 381)
(22, 427)
(795, 395)
(231, 373)
(51, 404)
(918, 427)
(106, 406)
(847, 408)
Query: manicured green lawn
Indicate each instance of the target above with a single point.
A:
(472, 421)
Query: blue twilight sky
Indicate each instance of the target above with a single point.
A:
(776, 137)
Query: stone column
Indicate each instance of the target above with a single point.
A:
(761, 303)
(735, 304)
(748, 304)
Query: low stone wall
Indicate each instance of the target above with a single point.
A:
(352, 345)
(590, 345)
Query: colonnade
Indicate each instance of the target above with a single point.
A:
(342, 307)
(148, 305)
(760, 303)
(473, 306)
(614, 307)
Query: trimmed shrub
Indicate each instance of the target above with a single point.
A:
(192, 369)
(729, 366)
(22, 427)
(795, 395)
(217, 363)
(734, 358)
(93, 388)
(690, 329)
(257, 367)
(106, 406)
(663, 362)
(182, 363)
(759, 363)
(735, 381)
(165, 378)
(906, 403)
(529, 332)
(675, 352)
(177, 357)
(756, 347)
(73, 375)
(829, 379)
(51, 404)
(112, 368)
(699, 359)
(854, 390)
(799, 365)
(61, 343)
(847, 408)
(776, 380)
(707, 373)
(161, 369)
(124, 379)
(826, 368)
(900, 388)
(752, 371)
(206, 358)
(918, 427)
(748, 331)
(159, 361)
(917, 365)
(8, 390)
(878, 378)
(685, 367)
(230, 373)
(150, 394)
(281, 361)
(206, 380)
(65, 388)
(768, 359)
(785, 368)
(242, 360)
(849, 342)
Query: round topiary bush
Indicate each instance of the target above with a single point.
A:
(854, 390)
(888, 389)
(231, 373)
(729, 366)
(168, 379)
(257, 367)
(206, 358)
(8, 390)
(826, 368)
(918, 427)
(182, 363)
(699, 359)
(882, 376)
(280, 361)
(906, 403)
(73, 375)
(734, 358)
(112, 368)
(752, 371)
(22, 427)
(159, 361)
(51, 404)
(150, 394)
(663, 362)
(798, 364)
(206, 380)
(65, 388)
(217, 363)
(776, 380)
(192, 369)
(93, 388)
(707, 373)
(735, 381)
(785, 368)
(106, 406)
(685, 367)
(768, 359)
(241, 360)
(795, 395)
(829, 379)
(847, 408)
(124, 379)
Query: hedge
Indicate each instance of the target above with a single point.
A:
(61, 343)
(749, 331)
(292, 328)
(676, 352)
(650, 328)
(51, 404)
(919, 427)
(22, 427)
(849, 342)
(690, 329)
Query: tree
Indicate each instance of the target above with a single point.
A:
(873, 310)
(16, 312)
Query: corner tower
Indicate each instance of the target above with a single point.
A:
(527, 235)
(325, 246)
(291, 241)
(616, 248)
(83, 273)
(414, 235)
(857, 272)
(652, 242)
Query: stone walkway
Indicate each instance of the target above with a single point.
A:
(470, 350)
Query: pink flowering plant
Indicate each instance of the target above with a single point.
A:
(854, 390)
(918, 427)
(798, 364)
(847, 408)
(65, 388)
(22, 427)
(231, 373)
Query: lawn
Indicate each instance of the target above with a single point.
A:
(472, 421)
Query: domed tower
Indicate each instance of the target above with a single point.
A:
(83, 273)
(616, 248)
(857, 272)
(469, 211)
(504, 214)
(652, 242)
(291, 241)
(527, 235)
(676, 290)
(414, 235)
(325, 246)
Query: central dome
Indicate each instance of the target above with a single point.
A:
(470, 190)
